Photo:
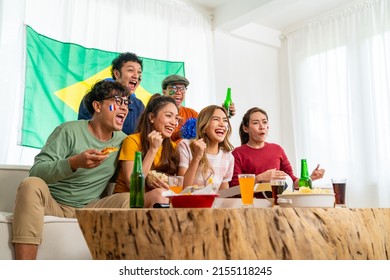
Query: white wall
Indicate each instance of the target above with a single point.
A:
(252, 70)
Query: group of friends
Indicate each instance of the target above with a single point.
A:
(71, 171)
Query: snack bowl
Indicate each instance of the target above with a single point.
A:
(306, 200)
(193, 200)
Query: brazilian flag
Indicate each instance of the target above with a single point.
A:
(59, 74)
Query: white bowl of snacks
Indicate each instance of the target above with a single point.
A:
(307, 198)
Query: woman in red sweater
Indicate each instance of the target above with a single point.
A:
(267, 161)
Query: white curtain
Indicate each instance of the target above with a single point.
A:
(159, 29)
(339, 83)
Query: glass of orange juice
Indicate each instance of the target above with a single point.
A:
(175, 183)
(247, 185)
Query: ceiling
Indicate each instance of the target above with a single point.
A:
(278, 15)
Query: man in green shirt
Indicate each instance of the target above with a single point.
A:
(71, 171)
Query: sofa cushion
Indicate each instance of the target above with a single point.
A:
(62, 239)
(10, 178)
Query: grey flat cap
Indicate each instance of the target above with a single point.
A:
(174, 79)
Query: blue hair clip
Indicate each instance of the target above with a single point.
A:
(188, 130)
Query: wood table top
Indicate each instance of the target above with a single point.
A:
(237, 233)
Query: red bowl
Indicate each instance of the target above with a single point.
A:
(193, 200)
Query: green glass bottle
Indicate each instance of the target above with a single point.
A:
(304, 180)
(228, 101)
(137, 183)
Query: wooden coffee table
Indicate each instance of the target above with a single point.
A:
(235, 233)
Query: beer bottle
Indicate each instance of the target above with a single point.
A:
(304, 180)
(228, 101)
(137, 183)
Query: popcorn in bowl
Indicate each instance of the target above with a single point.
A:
(306, 190)
(191, 190)
(306, 197)
(192, 197)
(153, 175)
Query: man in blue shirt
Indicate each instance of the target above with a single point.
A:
(127, 70)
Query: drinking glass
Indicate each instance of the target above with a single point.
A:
(247, 184)
(175, 183)
(339, 186)
(278, 187)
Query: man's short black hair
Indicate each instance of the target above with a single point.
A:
(103, 90)
(118, 62)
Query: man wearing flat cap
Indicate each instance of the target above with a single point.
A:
(176, 87)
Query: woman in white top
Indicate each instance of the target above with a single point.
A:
(207, 158)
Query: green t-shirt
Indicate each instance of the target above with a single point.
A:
(77, 188)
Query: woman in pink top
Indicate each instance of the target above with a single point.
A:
(207, 158)
(256, 156)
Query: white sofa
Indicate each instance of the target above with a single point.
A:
(62, 237)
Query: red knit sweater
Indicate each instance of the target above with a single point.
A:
(248, 160)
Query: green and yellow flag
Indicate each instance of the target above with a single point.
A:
(58, 75)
